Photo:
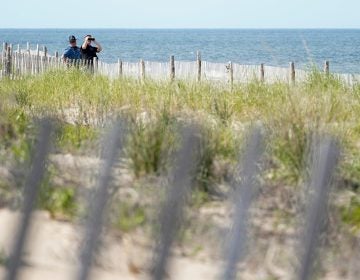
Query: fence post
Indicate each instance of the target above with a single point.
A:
(56, 59)
(29, 67)
(37, 70)
(44, 59)
(327, 67)
(292, 72)
(19, 62)
(231, 74)
(172, 68)
(31, 189)
(262, 72)
(23, 64)
(142, 69)
(245, 190)
(15, 61)
(112, 144)
(7, 65)
(120, 69)
(96, 65)
(11, 56)
(3, 55)
(326, 156)
(28, 60)
(172, 213)
(198, 62)
(4, 49)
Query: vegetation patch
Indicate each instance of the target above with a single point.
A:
(351, 214)
(82, 105)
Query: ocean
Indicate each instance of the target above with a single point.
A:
(273, 47)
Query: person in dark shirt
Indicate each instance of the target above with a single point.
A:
(88, 51)
(72, 51)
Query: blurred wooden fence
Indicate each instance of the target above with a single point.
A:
(245, 188)
(17, 63)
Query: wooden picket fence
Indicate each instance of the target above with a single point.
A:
(325, 156)
(17, 63)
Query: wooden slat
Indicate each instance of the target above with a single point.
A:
(31, 189)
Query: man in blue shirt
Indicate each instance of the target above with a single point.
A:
(72, 51)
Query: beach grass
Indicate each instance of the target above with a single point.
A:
(290, 117)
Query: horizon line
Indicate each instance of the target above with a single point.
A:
(193, 28)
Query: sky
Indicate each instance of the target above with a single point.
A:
(180, 14)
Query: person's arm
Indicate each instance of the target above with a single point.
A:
(98, 46)
(65, 55)
(84, 45)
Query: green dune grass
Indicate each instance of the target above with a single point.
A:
(290, 116)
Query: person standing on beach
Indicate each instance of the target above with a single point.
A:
(88, 51)
(72, 51)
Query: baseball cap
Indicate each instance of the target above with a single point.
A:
(72, 38)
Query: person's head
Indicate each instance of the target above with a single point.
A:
(88, 39)
(72, 40)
